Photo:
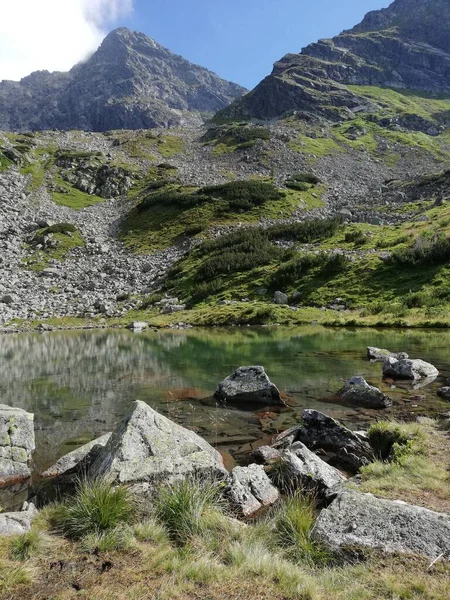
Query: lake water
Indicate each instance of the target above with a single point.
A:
(79, 384)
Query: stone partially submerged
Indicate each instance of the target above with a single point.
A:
(318, 431)
(248, 384)
(381, 354)
(249, 489)
(17, 444)
(409, 369)
(362, 520)
(358, 391)
(77, 462)
(148, 449)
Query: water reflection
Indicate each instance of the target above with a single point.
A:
(79, 384)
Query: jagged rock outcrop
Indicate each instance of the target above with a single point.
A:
(131, 82)
(404, 46)
(362, 520)
(319, 431)
(148, 449)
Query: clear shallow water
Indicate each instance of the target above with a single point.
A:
(79, 384)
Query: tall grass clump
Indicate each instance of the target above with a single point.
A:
(185, 507)
(96, 507)
(25, 545)
(292, 526)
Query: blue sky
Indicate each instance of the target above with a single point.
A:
(241, 39)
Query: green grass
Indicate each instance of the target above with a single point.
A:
(66, 241)
(25, 545)
(96, 508)
(72, 197)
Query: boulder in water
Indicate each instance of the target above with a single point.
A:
(358, 391)
(380, 354)
(409, 369)
(249, 384)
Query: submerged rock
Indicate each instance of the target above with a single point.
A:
(380, 354)
(148, 449)
(15, 523)
(409, 369)
(17, 444)
(318, 431)
(307, 471)
(248, 384)
(78, 461)
(358, 391)
(250, 489)
(362, 520)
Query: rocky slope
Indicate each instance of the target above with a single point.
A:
(406, 46)
(131, 82)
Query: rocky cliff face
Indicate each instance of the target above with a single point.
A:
(405, 46)
(131, 82)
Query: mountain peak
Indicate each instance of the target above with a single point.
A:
(130, 82)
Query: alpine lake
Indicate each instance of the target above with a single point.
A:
(79, 384)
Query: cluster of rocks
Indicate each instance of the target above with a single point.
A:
(147, 450)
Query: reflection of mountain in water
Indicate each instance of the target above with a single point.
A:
(79, 384)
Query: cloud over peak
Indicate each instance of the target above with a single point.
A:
(53, 34)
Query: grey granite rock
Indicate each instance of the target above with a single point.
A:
(362, 520)
(15, 523)
(409, 369)
(148, 449)
(249, 489)
(77, 461)
(380, 354)
(248, 384)
(17, 444)
(358, 391)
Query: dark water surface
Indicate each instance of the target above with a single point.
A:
(79, 384)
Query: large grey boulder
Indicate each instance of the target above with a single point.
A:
(318, 431)
(358, 391)
(306, 470)
(249, 489)
(78, 461)
(17, 444)
(147, 449)
(380, 354)
(281, 298)
(362, 520)
(248, 384)
(409, 369)
(15, 523)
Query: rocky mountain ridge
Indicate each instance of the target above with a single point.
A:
(405, 46)
(130, 82)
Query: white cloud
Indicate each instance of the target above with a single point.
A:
(52, 34)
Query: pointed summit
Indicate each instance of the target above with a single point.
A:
(130, 82)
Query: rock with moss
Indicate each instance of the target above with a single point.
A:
(147, 449)
(361, 520)
(381, 354)
(250, 489)
(358, 391)
(249, 384)
(317, 431)
(15, 523)
(17, 444)
(444, 393)
(76, 462)
(409, 369)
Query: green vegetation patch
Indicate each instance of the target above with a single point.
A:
(65, 238)
(235, 136)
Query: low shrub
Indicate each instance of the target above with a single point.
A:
(59, 228)
(305, 232)
(356, 236)
(299, 186)
(194, 229)
(292, 272)
(305, 178)
(424, 252)
(392, 441)
(96, 507)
